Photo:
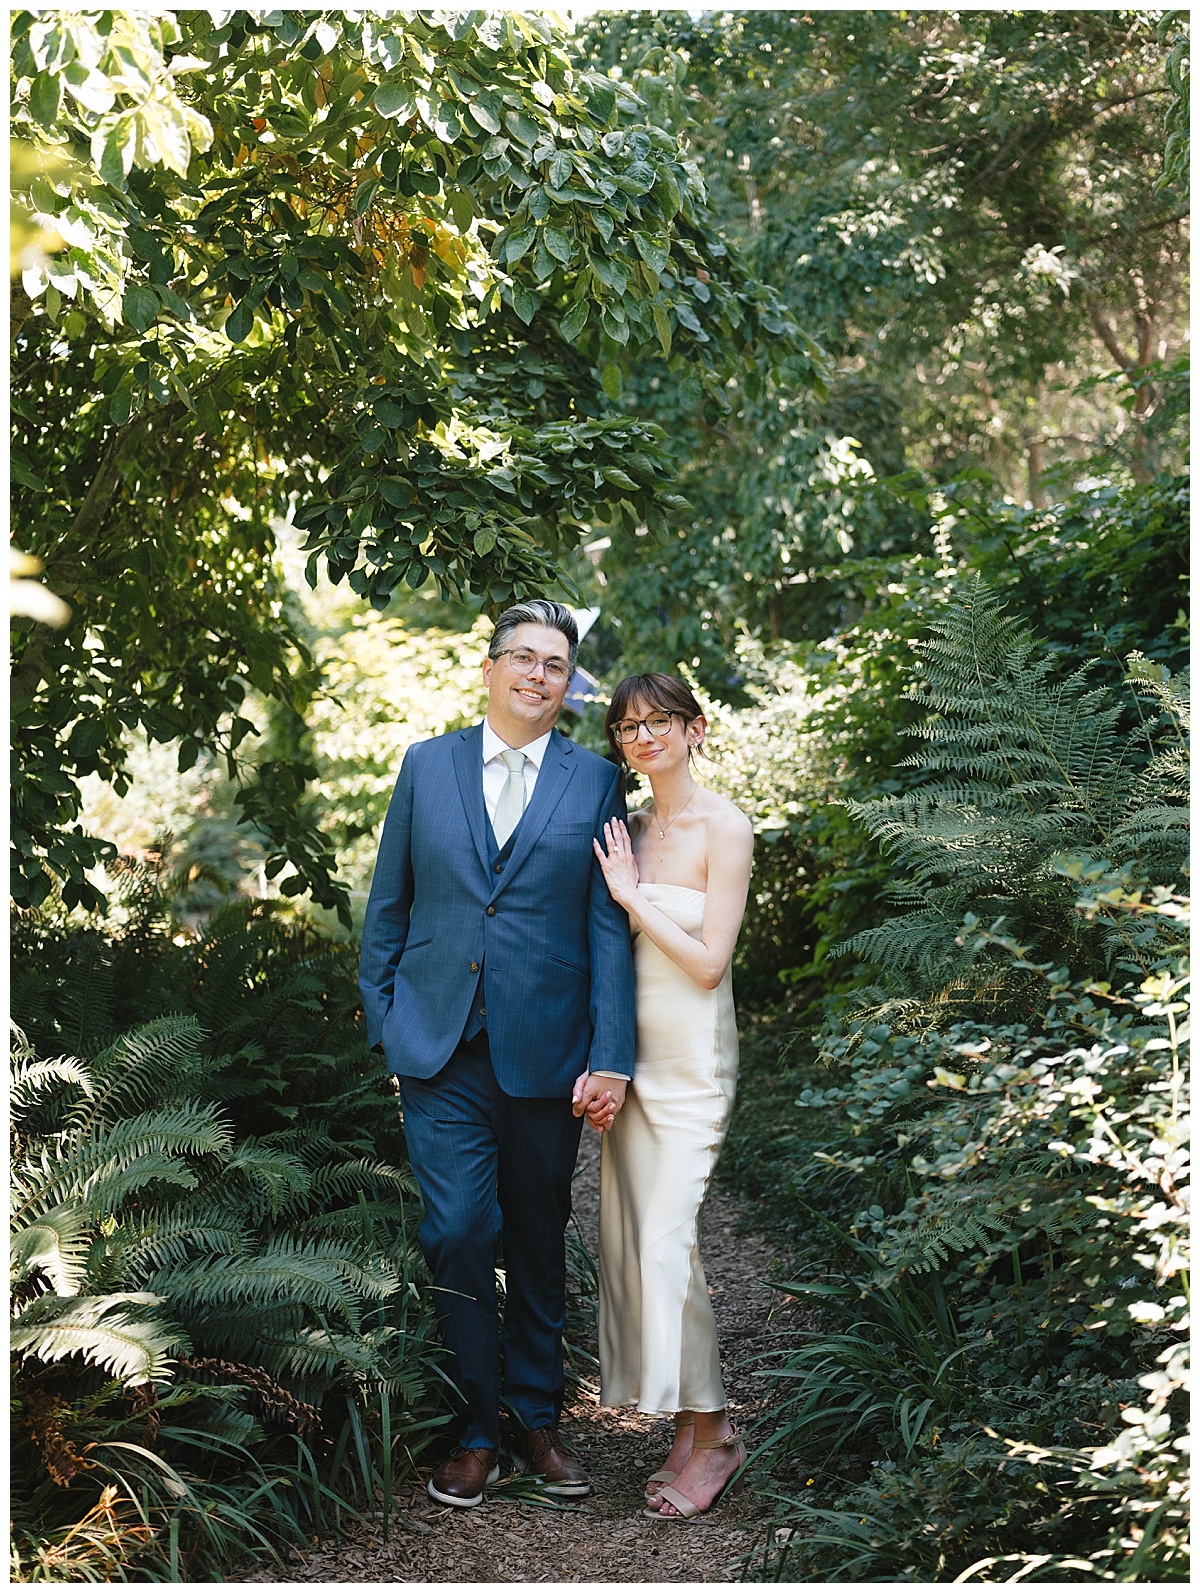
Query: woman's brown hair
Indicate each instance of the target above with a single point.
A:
(667, 693)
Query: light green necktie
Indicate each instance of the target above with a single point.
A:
(512, 798)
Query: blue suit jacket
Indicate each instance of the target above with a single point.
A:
(554, 967)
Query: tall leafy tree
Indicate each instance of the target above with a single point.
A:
(970, 211)
(375, 274)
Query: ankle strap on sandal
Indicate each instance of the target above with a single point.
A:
(732, 1439)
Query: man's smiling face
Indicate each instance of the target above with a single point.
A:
(522, 707)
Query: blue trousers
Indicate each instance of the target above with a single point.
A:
(495, 1172)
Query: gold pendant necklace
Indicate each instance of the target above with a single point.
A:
(662, 829)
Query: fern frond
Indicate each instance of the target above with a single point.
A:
(101, 1331)
(345, 1179)
(937, 1238)
(312, 1144)
(165, 1239)
(324, 1275)
(277, 1176)
(86, 997)
(55, 1244)
(92, 1167)
(152, 1063)
(346, 1224)
(30, 1079)
(1019, 768)
(317, 1352)
(902, 942)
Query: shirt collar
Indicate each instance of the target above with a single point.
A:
(493, 746)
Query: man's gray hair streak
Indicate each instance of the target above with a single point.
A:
(538, 611)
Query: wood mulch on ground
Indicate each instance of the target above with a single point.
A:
(605, 1538)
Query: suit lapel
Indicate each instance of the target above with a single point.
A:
(554, 776)
(468, 768)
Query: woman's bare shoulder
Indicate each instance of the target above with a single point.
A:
(725, 821)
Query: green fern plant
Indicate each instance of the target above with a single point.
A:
(944, 1234)
(153, 1250)
(1017, 770)
(276, 997)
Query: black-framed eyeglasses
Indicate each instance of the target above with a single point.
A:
(626, 731)
(525, 662)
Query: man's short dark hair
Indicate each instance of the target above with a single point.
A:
(538, 611)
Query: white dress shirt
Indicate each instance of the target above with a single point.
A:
(495, 773)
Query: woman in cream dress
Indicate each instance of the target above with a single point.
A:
(681, 871)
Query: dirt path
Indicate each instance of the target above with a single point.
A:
(606, 1538)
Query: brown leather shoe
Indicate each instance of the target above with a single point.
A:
(461, 1479)
(541, 1454)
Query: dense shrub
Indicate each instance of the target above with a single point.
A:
(1098, 579)
(990, 1143)
(223, 1338)
(275, 995)
(1011, 1294)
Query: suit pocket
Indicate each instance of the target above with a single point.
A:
(574, 836)
(415, 945)
(561, 962)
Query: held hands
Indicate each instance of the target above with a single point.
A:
(601, 1098)
(619, 864)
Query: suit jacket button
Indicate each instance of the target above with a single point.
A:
(483, 1012)
(499, 868)
(474, 967)
(491, 912)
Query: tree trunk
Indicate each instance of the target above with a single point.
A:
(1035, 458)
(1134, 365)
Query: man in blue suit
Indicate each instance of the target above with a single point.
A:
(495, 969)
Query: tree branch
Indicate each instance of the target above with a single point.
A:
(1107, 335)
(1164, 221)
(1127, 99)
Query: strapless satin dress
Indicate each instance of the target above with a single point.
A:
(658, 1335)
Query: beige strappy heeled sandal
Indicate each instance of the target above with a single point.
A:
(689, 1511)
(664, 1476)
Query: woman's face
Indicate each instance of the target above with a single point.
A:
(662, 741)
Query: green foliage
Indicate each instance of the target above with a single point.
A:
(810, 731)
(1099, 575)
(388, 683)
(445, 298)
(1015, 770)
(220, 1306)
(1017, 1265)
(944, 188)
(276, 1000)
(956, 206)
(995, 1146)
(300, 257)
(952, 1517)
(1173, 31)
